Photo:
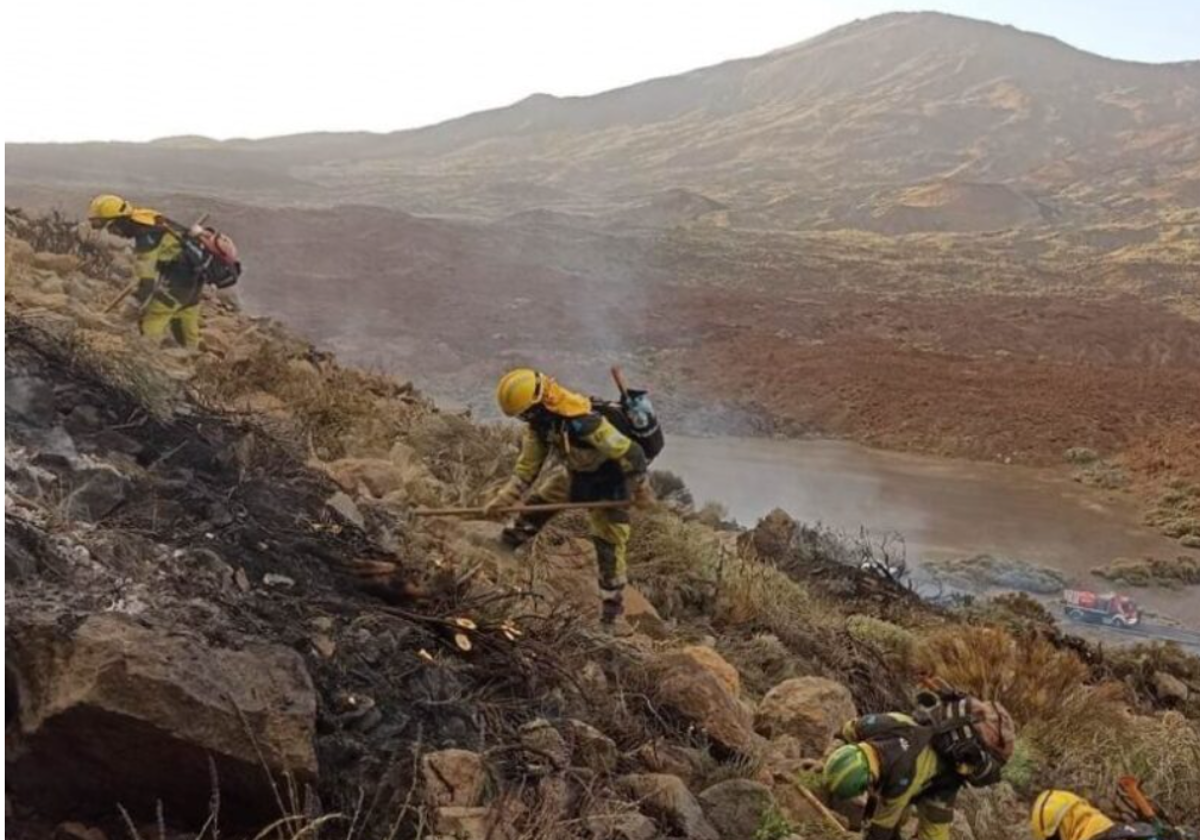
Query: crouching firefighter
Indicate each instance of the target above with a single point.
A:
(171, 266)
(601, 464)
(904, 765)
(1061, 815)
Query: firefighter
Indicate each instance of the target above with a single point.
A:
(892, 759)
(1060, 815)
(168, 290)
(601, 464)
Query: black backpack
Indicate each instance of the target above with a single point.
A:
(633, 416)
(954, 718)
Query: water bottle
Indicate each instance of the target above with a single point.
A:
(640, 411)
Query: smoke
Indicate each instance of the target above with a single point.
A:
(595, 314)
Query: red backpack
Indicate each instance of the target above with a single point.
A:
(213, 256)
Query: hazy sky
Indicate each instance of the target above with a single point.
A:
(81, 69)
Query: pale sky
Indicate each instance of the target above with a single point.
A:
(88, 70)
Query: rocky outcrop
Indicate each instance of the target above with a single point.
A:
(667, 799)
(87, 692)
(810, 709)
(691, 690)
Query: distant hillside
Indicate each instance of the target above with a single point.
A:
(819, 134)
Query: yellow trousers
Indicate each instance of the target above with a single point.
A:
(182, 321)
(609, 529)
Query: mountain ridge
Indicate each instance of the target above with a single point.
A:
(804, 136)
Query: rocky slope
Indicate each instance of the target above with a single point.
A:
(220, 612)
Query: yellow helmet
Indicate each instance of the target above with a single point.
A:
(520, 390)
(1049, 810)
(105, 208)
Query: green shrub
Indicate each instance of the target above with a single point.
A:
(1081, 455)
(1022, 769)
(892, 640)
(772, 826)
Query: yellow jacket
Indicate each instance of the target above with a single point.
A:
(158, 251)
(906, 773)
(585, 444)
(1083, 822)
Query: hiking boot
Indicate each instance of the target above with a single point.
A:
(517, 534)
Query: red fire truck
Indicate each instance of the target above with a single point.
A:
(1110, 608)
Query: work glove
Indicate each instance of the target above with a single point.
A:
(506, 496)
(640, 493)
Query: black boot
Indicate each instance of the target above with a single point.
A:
(612, 613)
(518, 533)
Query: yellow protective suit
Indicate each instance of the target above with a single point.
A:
(597, 463)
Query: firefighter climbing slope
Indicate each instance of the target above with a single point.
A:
(918, 763)
(171, 265)
(601, 464)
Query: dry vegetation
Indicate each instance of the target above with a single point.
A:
(1152, 571)
(1071, 728)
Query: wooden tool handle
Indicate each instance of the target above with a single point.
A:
(124, 294)
(821, 809)
(548, 508)
(619, 378)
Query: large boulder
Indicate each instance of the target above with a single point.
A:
(692, 691)
(810, 709)
(86, 691)
(736, 806)
(667, 799)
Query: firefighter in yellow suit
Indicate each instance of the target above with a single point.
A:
(168, 289)
(601, 463)
(1062, 815)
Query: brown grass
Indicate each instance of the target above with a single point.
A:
(1075, 735)
(1092, 751)
(1031, 677)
